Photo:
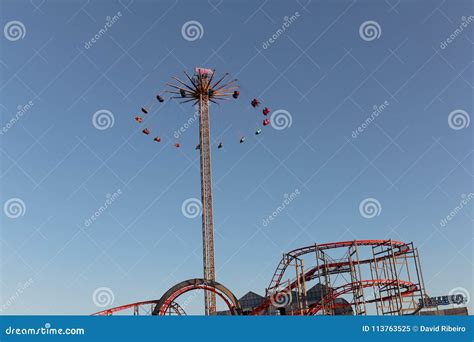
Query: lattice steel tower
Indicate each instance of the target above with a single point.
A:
(200, 89)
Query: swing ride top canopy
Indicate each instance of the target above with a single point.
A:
(203, 84)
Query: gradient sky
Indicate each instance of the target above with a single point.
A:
(319, 70)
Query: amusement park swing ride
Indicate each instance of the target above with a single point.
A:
(390, 269)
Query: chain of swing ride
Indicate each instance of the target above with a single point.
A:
(160, 99)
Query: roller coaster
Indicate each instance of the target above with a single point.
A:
(381, 277)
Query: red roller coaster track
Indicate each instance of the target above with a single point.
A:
(111, 311)
(172, 308)
(290, 256)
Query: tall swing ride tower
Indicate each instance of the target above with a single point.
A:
(201, 89)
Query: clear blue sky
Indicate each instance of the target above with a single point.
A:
(319, 70)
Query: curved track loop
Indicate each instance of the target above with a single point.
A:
(330, 297)
(193, 284)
